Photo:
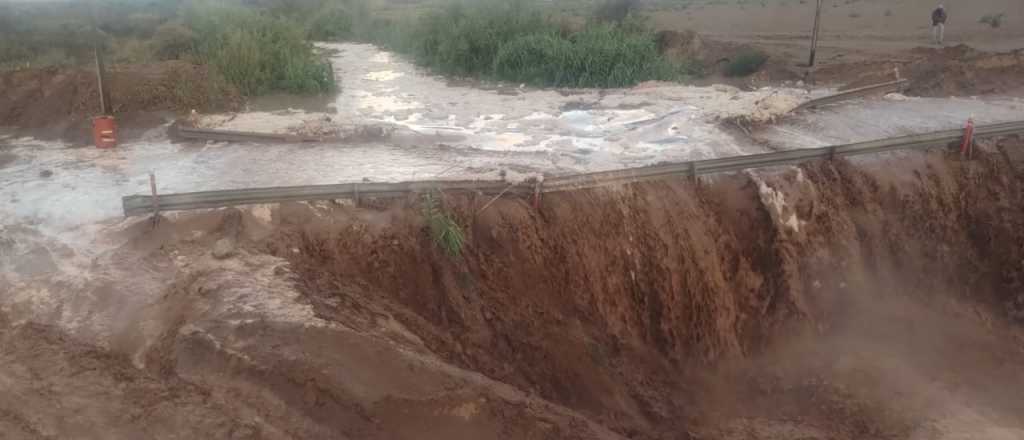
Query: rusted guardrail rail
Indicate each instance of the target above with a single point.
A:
(145, 204)
(207, 134)
(883, 88)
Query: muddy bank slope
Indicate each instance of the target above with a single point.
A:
(616, 302)
(831, 301)
(56, 102)
(936, 72)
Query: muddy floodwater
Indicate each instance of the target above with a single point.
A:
(441, 129)
(841, 300)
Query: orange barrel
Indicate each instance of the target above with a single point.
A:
(104, 131)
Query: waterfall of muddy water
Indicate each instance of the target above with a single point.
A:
(177, 341)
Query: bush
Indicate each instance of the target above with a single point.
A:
(464, 38)
(598, 56)
(172, 41)
(445, 232)
(258, 53)
(513, 41)
(331, 24)
(138, 25)
(536, 59)
(606, 56)
(994, 20)
(746, 63)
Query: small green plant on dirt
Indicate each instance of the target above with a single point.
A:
(746, 63)
(994, 20)
(444, 230)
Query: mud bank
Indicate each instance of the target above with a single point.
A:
(625, 303)
(831, 301)
(57, 103)
(950, 71)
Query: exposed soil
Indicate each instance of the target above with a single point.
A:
(851, 30)
(617, 302)
(830, 301)
(949, 71)
(57, 102)
(935, 72)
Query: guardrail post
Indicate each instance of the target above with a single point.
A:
(536, 194)
(355, 194)
(693, 172)
(967, 147)
(155, 199)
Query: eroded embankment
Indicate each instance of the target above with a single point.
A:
(621, 302)
(830, 301)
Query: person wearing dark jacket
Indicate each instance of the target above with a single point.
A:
(939, 24)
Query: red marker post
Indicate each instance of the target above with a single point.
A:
(967, 148)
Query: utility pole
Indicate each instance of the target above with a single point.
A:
(814, 34)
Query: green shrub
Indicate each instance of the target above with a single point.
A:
(514, 41)
(331, 24)
(746, 63)
(445, 232)
(172, 41)
(609, 57)
(138, 25)
(464, 38)
(536, 59)
(258, 53)
(598, 56)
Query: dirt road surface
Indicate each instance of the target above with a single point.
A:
(853, 30)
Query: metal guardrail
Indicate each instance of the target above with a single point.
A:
(206, 134)
(142, 204)
(889, 87)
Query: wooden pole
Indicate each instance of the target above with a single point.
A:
(814, 34)
(101, 70)
(100, 81)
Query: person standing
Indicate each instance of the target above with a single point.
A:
(939, 24)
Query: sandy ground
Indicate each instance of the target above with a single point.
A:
(851, 30)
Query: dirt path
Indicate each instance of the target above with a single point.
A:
(852, 30)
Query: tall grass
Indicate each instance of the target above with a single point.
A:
(257, 52)
(598, 56)
(444, 229)
(515, 41)
(464, 38)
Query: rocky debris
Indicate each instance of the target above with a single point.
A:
(231, 223)
(224, 248)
